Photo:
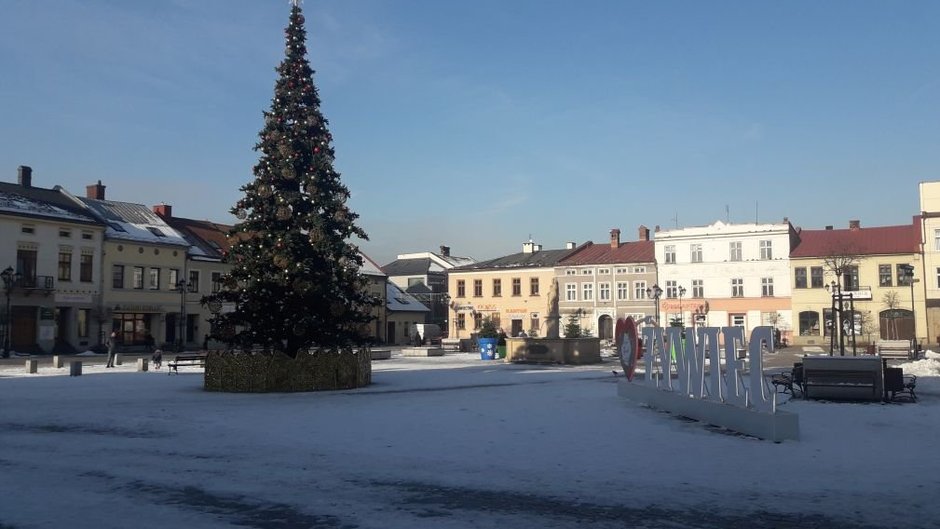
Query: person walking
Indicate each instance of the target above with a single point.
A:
(112, 348)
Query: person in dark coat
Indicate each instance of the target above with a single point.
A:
(148, 339)
(157, 358)
(112, 348)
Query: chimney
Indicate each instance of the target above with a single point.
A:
(24, 175)
(828, 227)
(656, 229)
(530, 247)
(569, 245)
(445, 251)
(615, 238)
(165, 211)
(95, 191)
(854, 225)
(644, 233)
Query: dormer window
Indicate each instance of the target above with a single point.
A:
(156, 231)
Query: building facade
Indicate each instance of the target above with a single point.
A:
(402, 311)
(424, 276)
(857, 280)
(599, 283)
(726, 275)
(929, 195)
(513, 290)
(53, 250)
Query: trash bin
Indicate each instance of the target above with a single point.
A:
(487, 348)
(501, 351)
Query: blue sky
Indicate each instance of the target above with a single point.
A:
(480, 124)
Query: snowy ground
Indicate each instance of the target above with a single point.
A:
(446, 442)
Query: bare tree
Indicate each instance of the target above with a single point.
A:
(891, 300)
(841, 259)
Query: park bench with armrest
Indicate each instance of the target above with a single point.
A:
(195, 360)
(895, 349)
(896, 382)
(843, 377)
(789, 381)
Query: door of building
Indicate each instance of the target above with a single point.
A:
(390, 333)
(516, 327)
(23, 335)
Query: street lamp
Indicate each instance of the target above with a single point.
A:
(681, 316)
(654, 293)
(10, 279)
(181, 286)
(909, 275)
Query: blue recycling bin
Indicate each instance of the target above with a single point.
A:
(487, 348)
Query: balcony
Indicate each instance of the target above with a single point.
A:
(43, 284)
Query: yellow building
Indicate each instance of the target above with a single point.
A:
(512, 289)
(930, 256)
(869, 271)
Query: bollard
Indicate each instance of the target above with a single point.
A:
(75, 368)
(118, 361)
(32, 366)
(141, 364)
(56, 361)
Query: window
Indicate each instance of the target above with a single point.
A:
(766, 250)
(695, 255)
(571, 290)
(737, 320)
(65, 266)
(83, 322)
(461, 290)
(698, 288)
(827, 318)
(809, 323)
(734, 251)
(26, 264)
(938, 277)
(415, 281)
(65, 233)
(87, 235)
(884, 275)
(904, 280)
(194, 280)
(153, 279)
(639, 269)
(216, 281)
(587, 272)
(603, 291)
(587, 291)
(623, 290)
(639, 290)
(799, 276)
(850, 277)
(173, 278)
(672, 289)
(117, 276)
(767, 287)
(497, 288)
(737, 288)
(622, 270)
(936, 240)
(477, 289)
(85, 267)
(156, 231)
(816, 277)
(571, 272)
(28, 228)
(461, 321)
(533, 326)
(669, 254)
(603, 271)
(516, 286)
(138, 277)
(477, 320)
(534, 286)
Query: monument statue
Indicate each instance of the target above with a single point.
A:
(552, 320)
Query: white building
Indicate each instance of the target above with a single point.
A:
(726, 274)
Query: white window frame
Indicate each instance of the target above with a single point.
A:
(621, 270)
(734, 251)
(639, 290)
(587, 291)
(669, 254)
(639, 269)
(695, 253)
(587, 271)
(672, 289)
(571, 292)
(603, 271)
(571, 272)
(737, 287)
(623, 290)
(603, 291)
(767, 287)
(766, 249)
(698, 288)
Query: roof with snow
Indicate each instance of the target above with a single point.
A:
(401, 301)
(536, 259)
(134, 222)
(38, 202)
(409, 267)
(208, 240)
(626, 252)
(369, 267)
(879, 240)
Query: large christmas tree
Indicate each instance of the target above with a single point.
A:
(295, 280)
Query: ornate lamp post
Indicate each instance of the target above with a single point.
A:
(681, 291)
(10, 279)
(181, 286)
(909, 275)
(654, 293)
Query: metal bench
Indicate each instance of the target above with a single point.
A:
(897, 384)
(789, 381)
(894, 349)
(195, 360)
(843, 377)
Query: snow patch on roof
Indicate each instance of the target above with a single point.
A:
(20, 204)
(399, 300)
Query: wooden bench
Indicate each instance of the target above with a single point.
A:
(843, 377)
(894, 349)
(195, 360)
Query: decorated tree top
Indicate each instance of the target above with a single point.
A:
(295, 280)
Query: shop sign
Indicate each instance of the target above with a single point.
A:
(138, 308)
(72, 298)
(46, 313)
